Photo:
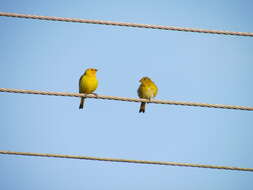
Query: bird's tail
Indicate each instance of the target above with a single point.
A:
(81, 103)
(142, 107)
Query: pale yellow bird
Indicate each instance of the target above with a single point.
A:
(88, 83)
(146, 90)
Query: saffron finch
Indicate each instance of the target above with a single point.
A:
(88, 83)
(146, 90)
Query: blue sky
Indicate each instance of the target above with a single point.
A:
(46, 55)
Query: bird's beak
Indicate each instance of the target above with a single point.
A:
(96, 70)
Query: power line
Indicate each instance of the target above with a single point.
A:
(125, 160)
(9, 90)
(88, 21)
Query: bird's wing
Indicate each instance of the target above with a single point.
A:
(155, 90)
(80, 82)
(139, 91)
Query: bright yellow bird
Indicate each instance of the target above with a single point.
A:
(88, 83)
(146, 90)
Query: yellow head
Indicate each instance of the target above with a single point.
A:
(145, 80)
(91, 72)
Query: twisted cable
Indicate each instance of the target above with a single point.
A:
(9, 90)
(89, 21)
(125, 160)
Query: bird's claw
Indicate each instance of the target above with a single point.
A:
(95, 94)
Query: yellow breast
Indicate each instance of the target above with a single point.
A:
(147, 92)
(88, 84)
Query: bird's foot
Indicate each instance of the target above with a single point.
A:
(95, 94)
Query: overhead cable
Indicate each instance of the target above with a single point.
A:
(221, 106)
(125, 160)
(103, 22)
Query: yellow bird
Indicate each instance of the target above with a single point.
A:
(146, 90)
(88, 83)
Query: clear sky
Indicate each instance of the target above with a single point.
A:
(51, 56)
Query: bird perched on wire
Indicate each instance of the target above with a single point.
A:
(146, 90)
(88, 83)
